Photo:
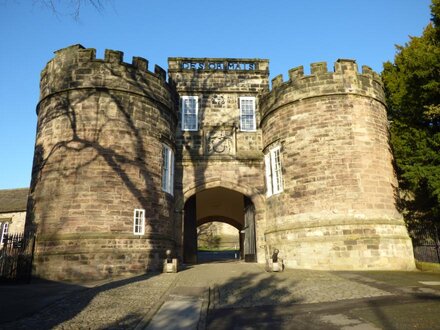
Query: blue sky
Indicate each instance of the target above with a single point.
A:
(289, 33)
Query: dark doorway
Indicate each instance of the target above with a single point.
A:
(249, 245)
(190, 231)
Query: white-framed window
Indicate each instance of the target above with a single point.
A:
(3, 231)
(274, 176)
(139, 222)
(190, 113)
(247, 114)
(167, 169)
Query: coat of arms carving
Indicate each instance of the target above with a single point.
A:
(220, 140)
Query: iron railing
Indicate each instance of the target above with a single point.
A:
(426, 242)
(16, 258)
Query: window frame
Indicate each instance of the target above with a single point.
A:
(268, 170)
(254, 121)
(168, 169)
(184, 113)
(4, 228)
(274, 171)
(139, 227)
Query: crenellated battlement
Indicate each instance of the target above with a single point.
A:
(83, 55)
(77, 67)
(121, 165)
(341, 66)
(344, 79)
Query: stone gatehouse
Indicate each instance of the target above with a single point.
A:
(128, 163)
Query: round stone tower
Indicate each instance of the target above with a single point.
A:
(102, 128)
(337, 208)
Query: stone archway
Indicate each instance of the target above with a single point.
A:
(223, 205)
(253, 194)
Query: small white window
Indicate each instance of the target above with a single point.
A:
(4, 231)
(274, 176)
(247, 114)
(167, 169)
(190, 112)
(139, 222)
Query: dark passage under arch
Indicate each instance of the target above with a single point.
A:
(223, 205)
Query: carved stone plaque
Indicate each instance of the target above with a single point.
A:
(220, 140)
(218, 100)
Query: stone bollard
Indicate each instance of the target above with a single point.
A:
(169, 264)
(275, 264)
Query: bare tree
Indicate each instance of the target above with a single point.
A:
(71, 7)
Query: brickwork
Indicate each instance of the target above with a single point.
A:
(98, 156)
(101, 125)
(338, 208)
(219, 151)
(219, 116)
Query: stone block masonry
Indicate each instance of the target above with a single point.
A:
(102, 127)
(338, 208)
(220, 152)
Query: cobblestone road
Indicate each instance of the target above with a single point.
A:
(247, 285)
(116, 305)
(235, 287)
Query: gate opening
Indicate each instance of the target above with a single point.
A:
(212, 206)
(217, 241)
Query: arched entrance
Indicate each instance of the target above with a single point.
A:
(222, 205)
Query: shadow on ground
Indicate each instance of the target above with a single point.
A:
(48, 304)
(253, 302)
